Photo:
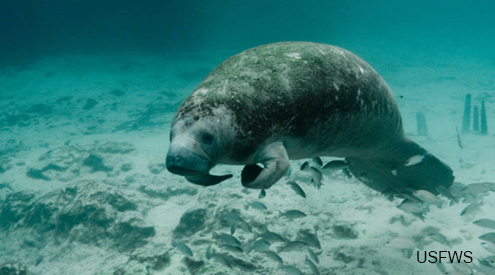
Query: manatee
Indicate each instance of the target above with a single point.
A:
(296, 100)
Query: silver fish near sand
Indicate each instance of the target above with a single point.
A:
(227, 239)
(485, 223)
(222, 259)
(471, 208)
(182, 247)
(425, 196)
(257, 205)
(259, 245)
(293, 214)
(318, 161)
(232, 248)
(462, 267)
(414, 160)
(294, 186)
(271, 236)
(446, 193)
(489, 246)
(489, 237)
(290, 269)
(317, 176)
(335, 165)
(475, 188)
(411, 207)
(309, 238)
(459, 139)
(292, 246)
(305, 166)
(208, 252)
(490, 260)
(272, 255)
(440, 238)
(262, 194)
(313, 255)
(312, 266)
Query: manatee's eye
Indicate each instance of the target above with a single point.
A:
(207, 138)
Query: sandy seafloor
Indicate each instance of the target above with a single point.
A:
(41, 110)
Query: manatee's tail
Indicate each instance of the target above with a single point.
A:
(410, 167)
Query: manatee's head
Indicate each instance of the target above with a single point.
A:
(197, 144)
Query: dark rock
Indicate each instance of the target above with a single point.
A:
(96, 164)
(191, 222)
(154, 261)
(339, 256)
(88, 212)
(344, 232)
(13, 268)
(90, 103)
(116, 148)
(36, 174)
(13, 208)
(117, 92)
(40, 109)
(193, 265)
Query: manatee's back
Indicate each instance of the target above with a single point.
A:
(306, 91)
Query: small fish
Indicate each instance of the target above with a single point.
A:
(271, 236)
(462, 267)
(411, 207)
(222, 259)
(475, 188)
(208, 252)
(489, 237)
(425, 196)
(347, 173)
(293, 214)
(471, 208)
(389, 194)
(259, 245)
(289, 172)
(485, 267)
(294, 186)
(312, 266)
(415, 160)
(257, 205)
(305, 166)
(290, 269)
(262, 194)
(440, 238)
(318, 161)
(313, 255)
(232, 248)
(446, 193)
(394, 172)
(272, 255)
(489, 246)
(453, 272)
(316, 174)
(227, 239)
(490, 260)
(233, 228)
(182, 247)
(441, 267)
(485, 223)
(335, 165)
(459, 140)
(309, 238)
(292, 246)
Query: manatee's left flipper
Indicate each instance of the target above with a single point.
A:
(276, 164)
(207, 180)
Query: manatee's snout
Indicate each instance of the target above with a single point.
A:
(185, 162)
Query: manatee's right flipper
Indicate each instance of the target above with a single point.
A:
(276, 164)
(391, 172)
